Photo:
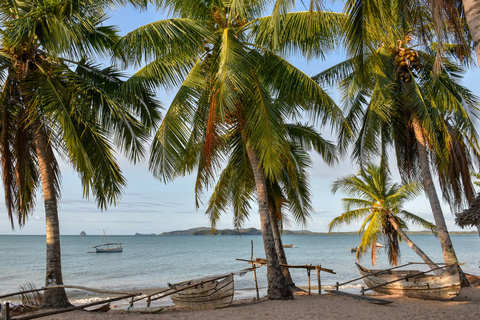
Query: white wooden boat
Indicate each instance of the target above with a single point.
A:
(208, 294)
(414, 283)
(108, 247)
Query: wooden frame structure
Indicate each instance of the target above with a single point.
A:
(258, 262)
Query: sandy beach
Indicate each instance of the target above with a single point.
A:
(465, 306)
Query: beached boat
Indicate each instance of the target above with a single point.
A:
(208, 294)
(108, 247)
(414, 283)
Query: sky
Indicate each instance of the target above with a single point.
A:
(150, 206)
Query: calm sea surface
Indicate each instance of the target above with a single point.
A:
(150, 262)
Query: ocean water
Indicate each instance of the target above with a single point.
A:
(149, 262)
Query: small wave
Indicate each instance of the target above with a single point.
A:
(348, 286)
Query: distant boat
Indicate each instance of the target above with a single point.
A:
(289, 246)
(108, 247)
(378, 245)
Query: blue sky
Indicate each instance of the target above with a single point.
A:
(150, 206)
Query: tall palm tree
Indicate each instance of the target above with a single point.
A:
(226, 82)
(374, 198)
(289, 191)
(54, 101)
(445, 23)
(396, 98)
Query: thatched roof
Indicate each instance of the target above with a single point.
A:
(471, 216)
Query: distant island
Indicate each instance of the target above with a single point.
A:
(205, 231)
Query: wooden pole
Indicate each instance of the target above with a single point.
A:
(70, 287)
(254, 273)
(308, 272)
(319, 281)
(49, 313)
(7, 311)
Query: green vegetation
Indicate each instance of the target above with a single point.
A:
(239, 116)
(373, 197)
(54, 102)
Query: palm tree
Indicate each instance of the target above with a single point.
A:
(399, 100)
(289, 191)
(226, 82)
(452, 25)
(461, 17)
(373, 197)
(54, 101)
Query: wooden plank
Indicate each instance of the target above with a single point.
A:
(70, 287)
(145, 310)
(319, 281)
(260, 261)
(311, 267)
(254, 273)
(49, 313)
(359, 297)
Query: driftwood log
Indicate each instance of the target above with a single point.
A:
(358, 297)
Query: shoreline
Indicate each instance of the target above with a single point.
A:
(308, 307)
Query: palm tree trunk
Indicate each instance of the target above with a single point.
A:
(414, 247)
(53, 298)
(449, 255)
(448, 252)
(472, 14)
(277, 285)
(282, 258)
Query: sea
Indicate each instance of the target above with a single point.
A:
(148, 263)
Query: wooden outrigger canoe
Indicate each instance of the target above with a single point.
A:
(217, 293)
(414, 283)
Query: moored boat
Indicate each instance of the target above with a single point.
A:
(414, 283)
(108, 247)
(208, 294)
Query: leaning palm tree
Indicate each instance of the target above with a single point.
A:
(289, 191)
(374, 198)
(54, 102)
(396, 98)
(226, 84)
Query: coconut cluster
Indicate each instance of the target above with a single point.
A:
(406, 60)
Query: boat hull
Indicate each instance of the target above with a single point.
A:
(112, 250)
(426, 286)
(210, 295)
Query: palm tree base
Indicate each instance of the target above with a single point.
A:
(463, 278)
(279, 293)
(55, 299)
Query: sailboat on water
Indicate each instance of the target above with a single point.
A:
(108, 247)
